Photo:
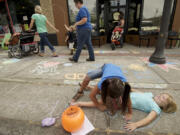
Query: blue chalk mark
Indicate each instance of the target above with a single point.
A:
(151, 64)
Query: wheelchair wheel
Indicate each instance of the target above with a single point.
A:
(113, 46)
(36, 50)
(17, 52)
(9, 54)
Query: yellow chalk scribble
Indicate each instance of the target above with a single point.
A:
(137, 67)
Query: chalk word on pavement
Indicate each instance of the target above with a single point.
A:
(46, 67)
(74, 76)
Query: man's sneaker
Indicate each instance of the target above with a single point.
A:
(72, 60)
(90, 59)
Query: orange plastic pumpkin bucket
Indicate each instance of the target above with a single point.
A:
(72, 119)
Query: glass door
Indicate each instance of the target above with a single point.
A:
(109, 15)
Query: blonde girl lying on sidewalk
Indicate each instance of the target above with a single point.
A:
(146, 102)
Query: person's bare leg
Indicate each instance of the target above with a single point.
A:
(85, 83)
(88, 88)
(80, 92)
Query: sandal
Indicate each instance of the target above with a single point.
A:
(54, 55)
(78, 95)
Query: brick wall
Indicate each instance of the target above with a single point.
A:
(60, 12)
(48, 12)
(176, 23)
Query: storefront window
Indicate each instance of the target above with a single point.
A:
(90, 4)
(117, 2)
(114, 3)
(21, 12)
(134, 16)
(152, 13)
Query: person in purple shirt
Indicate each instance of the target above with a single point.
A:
(84, 28)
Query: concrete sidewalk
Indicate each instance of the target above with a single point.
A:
(31, 87)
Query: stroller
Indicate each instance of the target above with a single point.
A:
(116, 38)
(22, 44)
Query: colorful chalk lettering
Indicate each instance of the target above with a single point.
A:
(75, 76)
(68, 64)
(46, 67)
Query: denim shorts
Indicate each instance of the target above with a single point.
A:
(95, 74)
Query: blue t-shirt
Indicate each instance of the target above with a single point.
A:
(84, 13)
(111, 71)
(144, 102)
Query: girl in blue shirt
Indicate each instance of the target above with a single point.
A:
(112, 84)
(146, 102)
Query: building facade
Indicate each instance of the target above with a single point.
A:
(139, 15)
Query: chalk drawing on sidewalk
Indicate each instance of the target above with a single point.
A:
(68, 64)
(135, 52)
(101, 52)
(137, 67)
(76, 82)
(124, 52)
(71, 82)
(134, 85)
(148, 85)
(166, 67)
(105, 52)
(46, 67)
(10, 61)
(74, 76)
(143, 75)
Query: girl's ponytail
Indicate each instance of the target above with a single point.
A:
(126, 97)
(104, 88)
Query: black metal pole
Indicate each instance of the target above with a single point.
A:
(9, 15)
(158, 56)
